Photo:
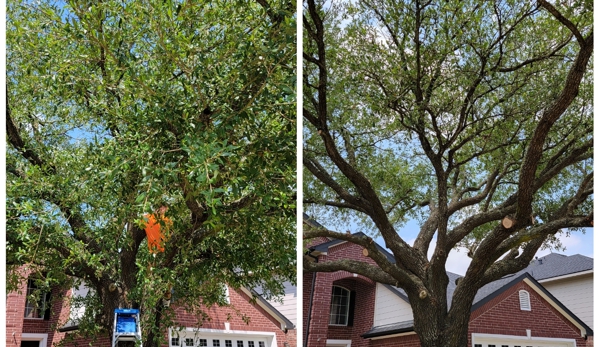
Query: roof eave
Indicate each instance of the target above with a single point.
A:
(387, 334)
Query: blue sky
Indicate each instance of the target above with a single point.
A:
(575, 243)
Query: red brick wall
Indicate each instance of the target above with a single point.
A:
(260, 320)
(365, 289)
(16, 324)
(306, 295)
(363, 312)
(15, 311)
(543, 320)
(410, 340)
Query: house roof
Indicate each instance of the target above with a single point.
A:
(550, 266)
(285, 322)
(324, 247)
(311, 222)
(285, 305)
(496, 289)
(389, 329)
(272, 307)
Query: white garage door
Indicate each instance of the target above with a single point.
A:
(484, 340)
(214, 338)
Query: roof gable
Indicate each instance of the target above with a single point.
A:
(550, 266)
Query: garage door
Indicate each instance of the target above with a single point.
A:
(519, 341)
(199, 338)
(519, 344)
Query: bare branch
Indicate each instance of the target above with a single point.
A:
(555, 13)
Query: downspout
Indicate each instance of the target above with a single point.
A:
(308, 253)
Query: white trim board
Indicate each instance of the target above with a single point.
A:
(338, 343)
(575, 274)
(42, 338)
(392, 335)
(525, 340)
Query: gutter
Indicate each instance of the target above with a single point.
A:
(557, 278)
(308, 253)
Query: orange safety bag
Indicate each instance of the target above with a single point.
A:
(156, 236)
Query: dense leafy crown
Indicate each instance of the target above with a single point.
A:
(115, 108)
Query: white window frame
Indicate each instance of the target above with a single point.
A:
(42, 338)
(270, 338)
(347, 308)
(40, 310)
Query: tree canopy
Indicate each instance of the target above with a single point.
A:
(457, 114)
(115, 108)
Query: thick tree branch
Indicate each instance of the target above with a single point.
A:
(567, 23)
(548, 119)
(17, 142)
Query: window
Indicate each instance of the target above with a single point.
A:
(203, 343)
(189, 342)
(260, 343)
(524, 300)
(35, 306)
(228, 343)
(239, 343)
(340, 303)
(250, 343)
(215, 343)
(174, 341)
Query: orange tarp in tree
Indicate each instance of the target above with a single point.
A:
(156, 236)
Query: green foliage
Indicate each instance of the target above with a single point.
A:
(131, 105)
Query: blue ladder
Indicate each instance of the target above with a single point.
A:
(126, 326)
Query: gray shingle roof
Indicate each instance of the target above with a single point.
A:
(311, 222)
(494, 289)
(388, 329)
(549, 266)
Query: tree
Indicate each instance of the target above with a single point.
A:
(457, 114)
(117, 108)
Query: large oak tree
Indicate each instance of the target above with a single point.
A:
(458, 114)
(114, 108)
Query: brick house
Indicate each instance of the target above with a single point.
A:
(342, 309)
(28, 326)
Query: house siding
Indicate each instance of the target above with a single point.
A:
(576, 293)
(259, 320)
(500, 315)
(288, 307)
(390, 308)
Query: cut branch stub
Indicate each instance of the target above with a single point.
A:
(365, 252)
(508, 222)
